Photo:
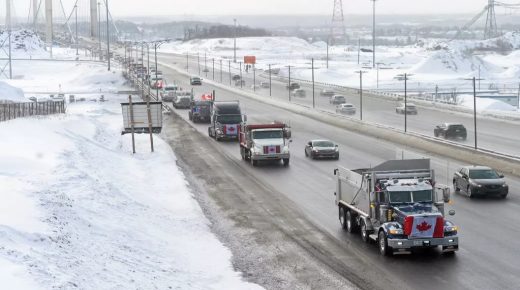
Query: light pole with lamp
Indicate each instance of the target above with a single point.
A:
(373, 33)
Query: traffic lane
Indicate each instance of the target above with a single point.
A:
(323, 211)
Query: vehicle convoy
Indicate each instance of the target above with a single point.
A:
(409, 109)
(448, 130)
(200, 111)
(481, 181)
(265, 142)
(225, 120)
(321, 149)
(397, 204)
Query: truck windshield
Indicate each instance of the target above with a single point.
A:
(267, 134)
(411, 196)
(229, 119)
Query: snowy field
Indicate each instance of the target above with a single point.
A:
(79, 211)
(429, 63)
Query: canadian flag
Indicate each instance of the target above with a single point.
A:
(231, 129)
(424, 226)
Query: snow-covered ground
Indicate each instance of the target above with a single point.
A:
(79, 211)
(429, 64)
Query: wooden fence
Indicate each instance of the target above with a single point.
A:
(10, 111)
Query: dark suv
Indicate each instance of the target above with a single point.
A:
(480, 180)
(448, 130)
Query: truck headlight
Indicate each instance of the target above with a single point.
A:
(451, 229)
(314, 150)
(219, 131)
(395, 231)
(504, 185)
(286, 149)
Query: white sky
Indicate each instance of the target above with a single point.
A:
(237, 7)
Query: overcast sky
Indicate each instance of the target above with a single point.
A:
(236, 7)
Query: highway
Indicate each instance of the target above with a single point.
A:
(493, 134)
(488, 257)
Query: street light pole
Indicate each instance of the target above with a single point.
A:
(373, 33)
(108, 37)
(475, 109)
(235, 42)
(405, 102)
(312, 67)
(361, 93)
(77, 40)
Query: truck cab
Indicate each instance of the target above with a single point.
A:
(226, 118)
(200, 111)
(263, 142)
(398, 205)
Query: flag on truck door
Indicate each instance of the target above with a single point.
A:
(423, 227)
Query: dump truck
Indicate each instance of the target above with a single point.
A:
(398, 205)
(225, 120)
(263, 142)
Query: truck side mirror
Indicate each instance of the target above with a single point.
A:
(335, 171)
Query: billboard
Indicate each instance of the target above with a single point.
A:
(249, 59)
(140, 116)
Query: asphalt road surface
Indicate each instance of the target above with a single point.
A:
(488, 257)
(493, 134)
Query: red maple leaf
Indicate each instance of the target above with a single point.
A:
(231, 128)
(424, 226)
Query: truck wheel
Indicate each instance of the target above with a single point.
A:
(306, 155)
(254, 162)
(351, 222)
(247, 155)
(470, 192)
(435, 133)
(342, 217)
(286, 162)
(209, 132)
(383, 245)
(190, 117)
(364, 232)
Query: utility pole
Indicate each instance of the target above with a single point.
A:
(312, 68)
(77, 40)
(373, 33)
(289, 85)
(229, 68)
(358, 49)
(361, 72)
(270, 90)
(8, 24)
(198, 61)
(405, 102)
(474, 80)
(99, 31)
(108, 37)
(328, 52)
(213, 68)
(235, 43)
(220, 70)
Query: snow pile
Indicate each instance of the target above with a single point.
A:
(10, 93)
(79, 211)
(485, 104)
(23, 42)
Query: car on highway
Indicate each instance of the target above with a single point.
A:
(168, 93)
(293, 86)
(327, 93)
(195, 81)
(239, 83)
(410, 109)
(337, 99)
(264, 85)
(205, 70)
(298, 93)
(321, 149)
(346, 109)
(236, 77)
(450, 131)
(480, 181)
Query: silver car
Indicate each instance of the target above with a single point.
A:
(337, 99)
(346, 109)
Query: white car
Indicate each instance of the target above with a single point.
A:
(168, 92)
(346, 109)
(299, 93)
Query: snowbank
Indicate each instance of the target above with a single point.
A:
(80, 211)
(10, 93)
(485, 104)
(24, 43)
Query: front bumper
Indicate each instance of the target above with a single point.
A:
(277, 156)
(325, 154)
(449, 244)
(484, 190)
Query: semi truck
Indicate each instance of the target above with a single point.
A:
(225, 120)
(262, 142)
(396, 204)
(200, 111)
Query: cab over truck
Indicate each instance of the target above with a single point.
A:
(260, 142)
(225, 120)
(396, 204)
